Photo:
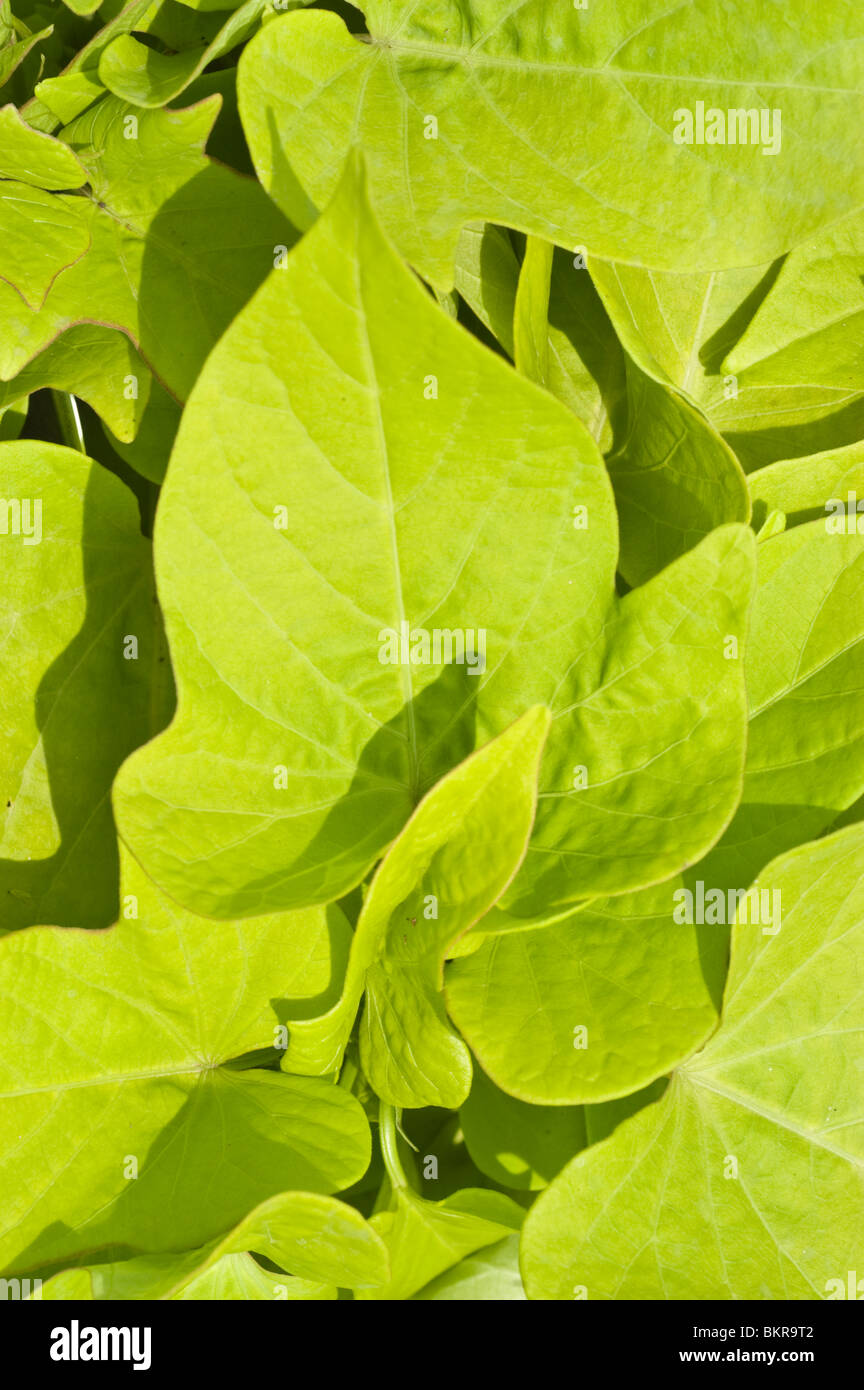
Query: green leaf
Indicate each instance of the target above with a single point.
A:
(115, 1060)
(239, 1277)
(324, 1240)
(426, 1238)
(422, 899)
(645, 758)
(319, 497)
(802, 488)
(146, 77)
(85, 679)
(164, 226)
(510, 145)
(531, 311)
(586, 365)
(747, 1179)
(805, 681)
(770, 354)
(487, 276)
(34, 158)
(518, 1145)
(592, 1007)
(798, 363)
(675, 479)
(489, 1276)
(100, 366)
(58, 100)
(151, 447)
(15, 47)
(42, 235)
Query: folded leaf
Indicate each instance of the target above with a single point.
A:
(239, 1277)
(146, 77)
(100, 366)
(805, 489)
(323, 1239)
(452, 861)
(490, 1276)
(770, 354)
(14, 49)
(426, 1238)
(746, 1181)
(675, 479)
(805, 681)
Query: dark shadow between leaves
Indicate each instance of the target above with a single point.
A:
(92, 708)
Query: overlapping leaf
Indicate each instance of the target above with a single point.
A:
(331, 748)
(161, 225)
(425, 895)
(747, 1179)
(327, 1242)
(464, 96)
(301, 448)
(125, 1128)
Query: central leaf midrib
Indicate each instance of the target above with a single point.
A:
(115, 1078)
(405, 669)
(472, 57)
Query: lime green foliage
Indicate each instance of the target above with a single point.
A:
(503, 95)
(432, 626)
(747, 1179)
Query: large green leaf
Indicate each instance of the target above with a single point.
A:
(298, 755)
(320, 1238)
(457, 95)
(422, 899)
(320, 496)
(162, 226)
(124, 1127)
(85, 679)
(639, 981)
(747, 1179)
(40, 236)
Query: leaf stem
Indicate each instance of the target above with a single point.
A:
(70, 421)
(390, 1146)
